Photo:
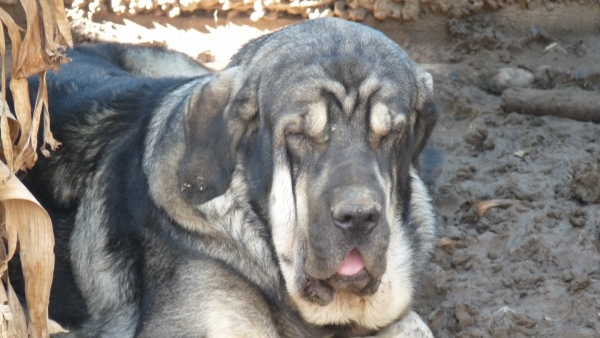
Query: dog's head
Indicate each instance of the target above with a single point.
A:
(328, 119)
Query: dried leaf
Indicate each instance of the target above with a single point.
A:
(12, 321)
(26, 220)
(32, 58)
(42, 100)
(17, 326)
(13, 33)
(54, 327)
(22, 219)
(62, 23)
(9, 131)
(43, 48)
(20, 92)
(521, 153)
(7, 143)
(44, 42)
(483, 207)
(447, 244)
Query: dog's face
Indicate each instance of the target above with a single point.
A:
(327, 119)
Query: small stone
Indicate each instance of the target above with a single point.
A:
(567, 276)
(461, 312)
(580, 283)
(446, 244)
(586, 185)
(557, 215)
(578, 218)
(358, 14)
(459, 259)
(509, 77)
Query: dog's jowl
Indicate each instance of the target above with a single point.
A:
(280, 197)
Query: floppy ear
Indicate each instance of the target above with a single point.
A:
(427, 113)
(213, 125)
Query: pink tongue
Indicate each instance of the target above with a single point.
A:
(352, 264)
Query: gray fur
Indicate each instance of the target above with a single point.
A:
(244, 170)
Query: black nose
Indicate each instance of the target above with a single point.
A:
(357, 218)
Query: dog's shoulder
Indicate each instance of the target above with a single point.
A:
(99, 111)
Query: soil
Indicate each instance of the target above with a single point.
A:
(530, 266)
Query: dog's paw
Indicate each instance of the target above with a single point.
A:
(409, 326)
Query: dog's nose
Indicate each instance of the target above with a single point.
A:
(357, 218)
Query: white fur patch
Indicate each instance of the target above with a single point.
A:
(282, 212)
(410, 326)
(381, 121)
(225, 319)
(316, 119)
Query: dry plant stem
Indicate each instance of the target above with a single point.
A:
(7, 140)
(42, 99)
(28, 222)
(4, 127)
(13, 323)
(573, 103)
(23, 219)
(483, 207)
(549, 319)
(18, 325)
(43, 47)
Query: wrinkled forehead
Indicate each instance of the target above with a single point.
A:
(381, 98)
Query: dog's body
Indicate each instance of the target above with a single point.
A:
(277, 198)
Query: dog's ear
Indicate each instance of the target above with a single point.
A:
(215, 120)
(426, 113)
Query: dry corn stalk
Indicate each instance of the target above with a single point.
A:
(42, 49)
(25, 221)
(22, 219)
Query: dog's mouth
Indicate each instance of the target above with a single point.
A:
(352, 275)
(352, 265)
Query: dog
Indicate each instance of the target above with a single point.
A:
(279, 197)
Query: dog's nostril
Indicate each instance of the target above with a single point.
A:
(356, 219)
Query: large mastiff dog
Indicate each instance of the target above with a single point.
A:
(280, 197)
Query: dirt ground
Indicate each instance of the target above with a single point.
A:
(531, 267)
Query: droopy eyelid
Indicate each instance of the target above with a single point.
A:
(294, 128)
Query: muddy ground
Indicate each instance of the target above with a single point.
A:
(530, 268)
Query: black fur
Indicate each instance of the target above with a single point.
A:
(162, 193)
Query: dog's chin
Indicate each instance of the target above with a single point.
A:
(322, 291)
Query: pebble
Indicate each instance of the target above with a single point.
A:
(509, 77)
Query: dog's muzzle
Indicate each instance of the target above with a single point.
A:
(348, 249)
